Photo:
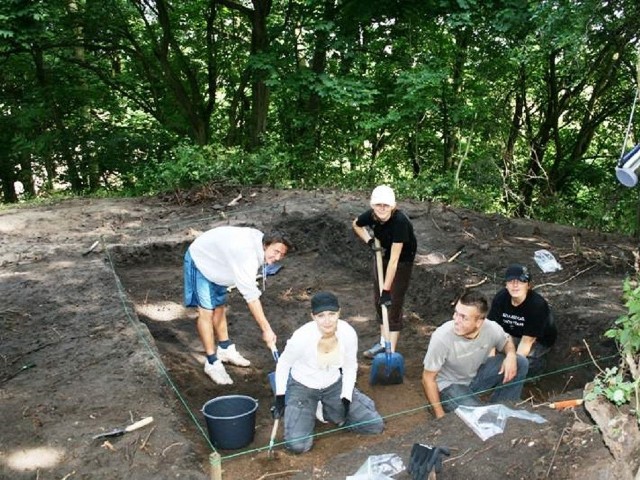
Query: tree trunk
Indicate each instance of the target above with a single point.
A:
(451, 107)
(516, 123)
(259, 88)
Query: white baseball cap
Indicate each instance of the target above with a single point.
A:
(383, 194)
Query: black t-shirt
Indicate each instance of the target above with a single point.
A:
(532, 318)
(398, 229)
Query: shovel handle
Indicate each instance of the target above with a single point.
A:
(274, 352)
(138, 424)
(385, 314)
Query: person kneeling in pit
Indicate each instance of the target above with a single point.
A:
(525, 315)
(459, 363)
(319, 364)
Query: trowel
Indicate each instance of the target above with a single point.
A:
(116, 432)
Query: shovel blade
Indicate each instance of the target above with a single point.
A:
(113, 433)
(387, 369)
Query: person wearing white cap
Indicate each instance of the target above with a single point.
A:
(394, 230)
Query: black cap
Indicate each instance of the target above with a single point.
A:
(323, 301)
(517, 272)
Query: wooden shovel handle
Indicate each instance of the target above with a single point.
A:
(139, 424)
(385, 314)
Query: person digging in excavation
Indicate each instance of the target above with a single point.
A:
(525, 315)
(395, 232)
(319, 367)
(217, 259)
(459, 363)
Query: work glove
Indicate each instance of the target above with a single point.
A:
(385, 298)
(425, 459)
(277, 409)
(347, 405)
(372, 246)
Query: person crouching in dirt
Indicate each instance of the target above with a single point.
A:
(318, 367)
(459, 361)
(217, 259)
(394, 230)
(526, 316)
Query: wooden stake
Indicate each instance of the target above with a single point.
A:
(216, 466)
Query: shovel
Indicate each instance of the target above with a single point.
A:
(272, 382)
(388, 367)
(116, 432)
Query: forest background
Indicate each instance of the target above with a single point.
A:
(517, 107)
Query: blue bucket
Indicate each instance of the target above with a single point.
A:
(231, 421)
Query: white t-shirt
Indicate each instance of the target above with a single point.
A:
(230, 256)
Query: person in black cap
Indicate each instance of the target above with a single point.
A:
(319, 364)
(525, 315)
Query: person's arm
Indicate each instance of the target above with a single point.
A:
(350, 362)
(255, 307)
(510, 363)
(525, 345)
(361, 232)
(432, 392)
(392, 266)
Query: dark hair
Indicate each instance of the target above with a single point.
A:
(276, 236)
(475, 299)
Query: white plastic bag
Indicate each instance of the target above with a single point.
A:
(546, 261)
(489, 420)
(379, 467)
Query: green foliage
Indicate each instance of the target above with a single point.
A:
(627, 330)
(613, 385)
(187, 165)
(420, 95)
(621, 384)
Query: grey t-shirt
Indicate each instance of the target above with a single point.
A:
(457, 359)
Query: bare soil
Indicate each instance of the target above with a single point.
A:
(93, 339)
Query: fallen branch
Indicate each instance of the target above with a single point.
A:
(591, 355)
(566, 384)
(457, 456)
(567, 280)
(286, 472)
(478, 453)
(555, 450)
(477, 284)
(143, 445)
(176, 444)
(91, 248)
(434, 222)
(455, 255)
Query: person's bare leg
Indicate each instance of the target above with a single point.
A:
(206, 330)
(219, 320)
(228, 354)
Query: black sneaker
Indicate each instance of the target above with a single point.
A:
(373, 351)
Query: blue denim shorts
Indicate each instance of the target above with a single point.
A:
(198, 291)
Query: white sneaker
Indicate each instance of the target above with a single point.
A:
(231, 355)
(217, 372)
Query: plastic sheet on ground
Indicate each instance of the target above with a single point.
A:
(546, 261)
(489, 420)
(379, 467)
